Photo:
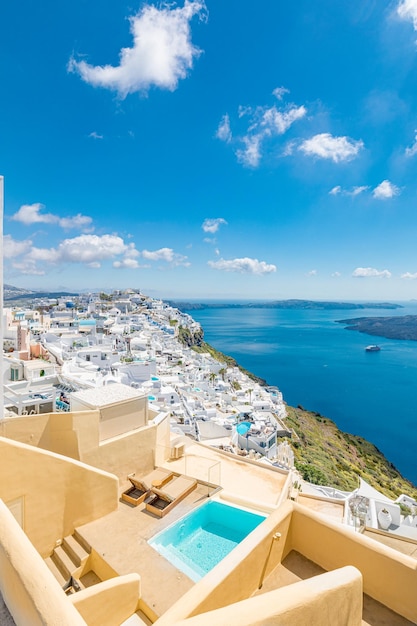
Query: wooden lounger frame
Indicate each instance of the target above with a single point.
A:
(141, 488)
(164, 500)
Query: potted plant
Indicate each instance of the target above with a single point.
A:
(384, 518)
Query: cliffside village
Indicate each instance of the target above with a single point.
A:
(119, 428)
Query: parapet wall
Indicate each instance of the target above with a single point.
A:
(388, 576)
(53, 494)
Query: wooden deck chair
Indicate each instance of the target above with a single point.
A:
(163, 500)
(142, 486)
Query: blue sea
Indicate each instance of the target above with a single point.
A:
(320, 365)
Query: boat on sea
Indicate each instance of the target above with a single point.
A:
(372, 348)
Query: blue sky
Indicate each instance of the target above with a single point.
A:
(218, 149)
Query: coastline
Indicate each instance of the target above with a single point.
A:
(326, 455)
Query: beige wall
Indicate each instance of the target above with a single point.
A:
(332, 599)
(388, 576)
(29, 589)
(109, 603)
(239, 574)
(76, 435)
(58, 494)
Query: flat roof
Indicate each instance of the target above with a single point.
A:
(110, 394)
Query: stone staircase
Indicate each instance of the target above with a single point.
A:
(68, 561)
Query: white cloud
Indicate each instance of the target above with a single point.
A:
(355, 191)
(312, 273)
(166, 254)
(161, 54)
(358, 190)
(95, 135)
(409, 276)
(336, 274)
(410, 152)
(370, 272)
(278, 122)
(212, 225)
(385, 190)
(13, 248)
(31, 214)
(89, 249)
(407, 10)
(243, 266)
(335, 190)
(279, 92)
(126, 263)
(251, 154)
(223, 130)
(326, 146)
(264, 123)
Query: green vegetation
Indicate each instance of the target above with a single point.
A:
(105, 297)
(173, 322)
(227, 360)
(324, 455)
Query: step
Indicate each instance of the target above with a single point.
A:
(63, 561)
(80, 539)
(56, 572)
(77, 552)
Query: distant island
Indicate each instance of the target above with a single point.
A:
(283, 304)
(402, 327)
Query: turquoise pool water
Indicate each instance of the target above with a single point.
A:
(201, 539)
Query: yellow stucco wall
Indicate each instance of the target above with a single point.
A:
(76, 435)
(58, 494)
(388, 575)
(29, 589)
(109, 603)
(332, 599)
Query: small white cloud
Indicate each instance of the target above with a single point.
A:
(355, 191)
(243, 266)
(162, 52)
(250, 155)
(279, 92)
(336, 274)
(407, 10)
(32, 214)
(217, 252)
(326, 146)
(212, 225)
(335, 191)
(95, 135)
(126, 263)
(264, 123)
(166, 254)
(385, 190)
(13, 248)
(358, 190)
(410, 152)
(370, 272)
(312, 273)
(409, 276)
(223, 130)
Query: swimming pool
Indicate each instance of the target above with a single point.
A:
(201, 539)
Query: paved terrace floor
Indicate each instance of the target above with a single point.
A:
(121, 537)
(251, 481)
(296, 567)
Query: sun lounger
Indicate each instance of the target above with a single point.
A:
(142, 486)
(165, 499)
